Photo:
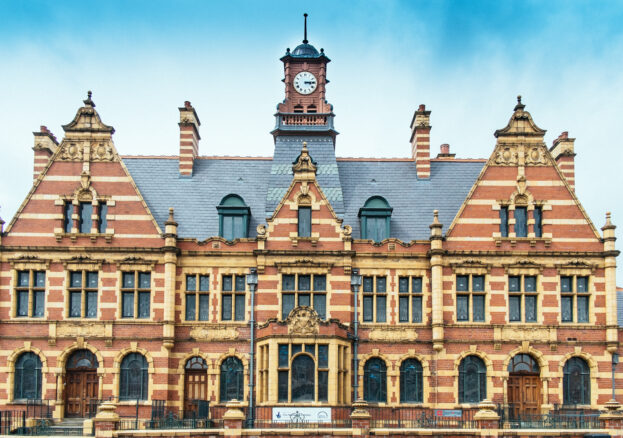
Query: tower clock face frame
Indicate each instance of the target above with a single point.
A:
(305, 82)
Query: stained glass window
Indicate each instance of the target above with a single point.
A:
(233, 297)
(303, 379)
(197, 294)
(472, 380)
(135, 294)
(297, 374)
(576, 382)
(30, 293)
(411, 381)
(27, 380)
(83, 287)
(133, 379)
(375, 381)
(470, 294)
(232, 379)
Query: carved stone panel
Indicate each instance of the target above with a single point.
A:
(80, 329)
(303, 321)
(393, 334)
(532, 334)
(214, 334)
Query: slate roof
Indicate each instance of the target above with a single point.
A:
(620, 306)
(347, 183)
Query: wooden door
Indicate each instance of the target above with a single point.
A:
(195, 388)
(81, 387)
(524, 395)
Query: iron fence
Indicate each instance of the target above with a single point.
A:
(561, 417)
(39, 408)
(166, 417)
(421, 418)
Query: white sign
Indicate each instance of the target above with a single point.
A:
(301, 415)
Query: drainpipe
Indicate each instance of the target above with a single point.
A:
(252, 282)
(355, 282)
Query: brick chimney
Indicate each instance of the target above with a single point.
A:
(45, 145)
(189, 139)
(420, 141)
(444, 151)
(563, 152)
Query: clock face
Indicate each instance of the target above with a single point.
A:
(305, 82)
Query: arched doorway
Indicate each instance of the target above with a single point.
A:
(195, 385)
(524, 386)
(303, 381)
(82, 384)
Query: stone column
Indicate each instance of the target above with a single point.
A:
(360, 418)
(611, 287)
(436, 262)
(233, 419)
(613, 419)
(106, 420)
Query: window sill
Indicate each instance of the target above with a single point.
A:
(133, 402)
(93, 236)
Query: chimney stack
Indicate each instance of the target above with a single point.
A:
(189, 139)
(45, 146)
(563, 152)
(444, 151)
(420, 141)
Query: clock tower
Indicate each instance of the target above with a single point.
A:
(305, 116)
(305, 106)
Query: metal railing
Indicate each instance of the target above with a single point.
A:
(565, 417)
(165, 417)
(39, 409)
(421, 418)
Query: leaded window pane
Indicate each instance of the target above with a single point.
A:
(282, 386)
(143, 304)
(462, 283)
(204, 283)
(204, 307)
(128, 280)
(240, 307)
(92, 280)
(303, 379)
(227, 283)
(368, 284)
(39, 279)
(416, 309)
(284, 355)
(310, 348)
(128, 304)
(304, 282)
(320, 305)
(576, 382)
(38, 304)
(514, 284)
(530, 301)
(231, 379)
(582, 309)
(514, 302)
(375, 381)
(23, 278)
(296, 348)
(67, 220)
(22, 303)
(241, 284)
(27, 379)
(538, 222)
(381, 308)
(103, 222)
(462, 307)
(133, 377)
(323, 385)
(287, 305)
(91, 305)
(478, 283)
(521, 228)
(567, 308)
(191, 283)
(504, 221)
(144, 280)
(530, 284)
(472, 380)
(304, 222)
(582, 284)
(75, 304)
(479, 307)
(86, 210)
(304, 300)
(367, 308)
(403, 284)
(381, 284)
(403, 309)
(323, 356)
(320, 282)
(76, 279)
(287, 282)
(411, 381)
(227, 310)
(190, 307)
(566, 284)
(416, 284)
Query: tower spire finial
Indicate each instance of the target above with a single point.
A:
(305, 34)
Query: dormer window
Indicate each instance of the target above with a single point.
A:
(233, 217)
(375, 218)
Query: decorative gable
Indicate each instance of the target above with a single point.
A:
(521, 197)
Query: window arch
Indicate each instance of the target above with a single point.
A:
(303, 379)
(196, 363)
(375, 381)
(233, 217)
(81, 359)
(27, 383)
(523, 364)
(232, 379)
(472, 380)
(375, 218)
(411, 381)
(133, 381)
(576, 382)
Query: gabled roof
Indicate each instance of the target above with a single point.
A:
(195, 199)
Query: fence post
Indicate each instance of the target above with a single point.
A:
(613, 419)
(233, 419)
(106, 420)
(360, 418)
(487, 419)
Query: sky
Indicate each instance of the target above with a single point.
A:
(466, 60)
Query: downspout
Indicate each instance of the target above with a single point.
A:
(356, 342)
(251, 416)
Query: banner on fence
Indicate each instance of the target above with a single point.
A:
(451, 413)
(302, 415)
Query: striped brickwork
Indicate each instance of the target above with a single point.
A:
(189, 138)
(420, 141)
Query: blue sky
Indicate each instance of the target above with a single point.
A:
(466, 60)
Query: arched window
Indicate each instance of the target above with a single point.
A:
(375, 218)
(576, 383)
(523, 364)
(133, 378)
(196, 363)
(233, 217)
(375, 381)
(27, 377)
(232, 379)
(411, 381)
(303, 381)
(472, 380)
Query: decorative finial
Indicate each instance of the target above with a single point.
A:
(305, 35)
(171, 214)
(519, 106)
(89, 101)
(305, 145)
(519, 99)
